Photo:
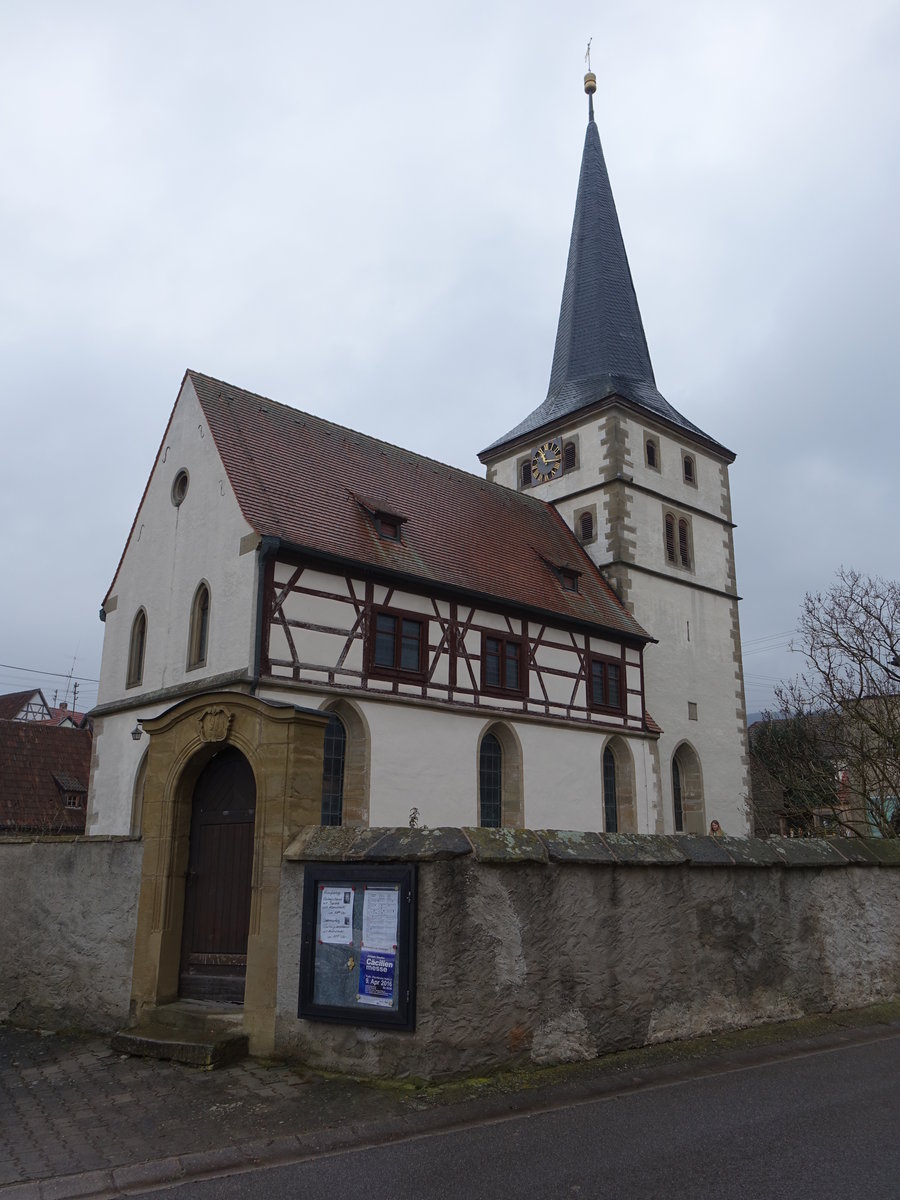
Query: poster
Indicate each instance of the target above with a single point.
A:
(381, 911)
(376, 978)
(336, 915)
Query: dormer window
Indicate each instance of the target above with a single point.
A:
(568, 579)
(386, 523)
(388, 527)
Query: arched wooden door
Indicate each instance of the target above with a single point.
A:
(217, 889)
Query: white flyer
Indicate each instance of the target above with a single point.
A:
(381, 908)
(336, 915)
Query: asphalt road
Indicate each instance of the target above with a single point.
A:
(820, 1126)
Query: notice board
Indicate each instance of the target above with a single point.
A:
(357, 944)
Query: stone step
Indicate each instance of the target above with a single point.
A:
(198, 1015)
(194, 1047)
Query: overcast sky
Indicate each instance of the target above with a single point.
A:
(364, 211)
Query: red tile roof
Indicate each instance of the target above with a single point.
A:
(12, 703)
(309, 482)
(39, 762)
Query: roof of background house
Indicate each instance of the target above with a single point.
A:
(12, 703)
(315, 484)
(62, 713)
(601, 350)
(39, 763)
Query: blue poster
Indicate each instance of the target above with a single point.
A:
(376, 978)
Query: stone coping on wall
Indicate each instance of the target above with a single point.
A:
(319, 843)
(87, 839)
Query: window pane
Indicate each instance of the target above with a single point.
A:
(670, 539)
(597, 695)
(409, 648)
(490, 782)
(385, 631)
(610, 808)
(512, 665)
(492, 662)
(333, 772)
(676, 794)
(683, 544)
(612, 685)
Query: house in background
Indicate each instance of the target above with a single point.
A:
(310, 625)
(44, 774)
(29, 705)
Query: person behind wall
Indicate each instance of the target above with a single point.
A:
(715, 829)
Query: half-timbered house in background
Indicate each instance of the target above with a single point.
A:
(554, 646)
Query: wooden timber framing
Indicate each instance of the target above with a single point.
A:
(319, 631)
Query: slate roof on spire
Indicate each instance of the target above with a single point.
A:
(601, 350)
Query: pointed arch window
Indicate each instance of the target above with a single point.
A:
(136, 648)
(490, 782)
(333, 771)
(676, 797)
(610, 806)
(198, 639)
(690, 476)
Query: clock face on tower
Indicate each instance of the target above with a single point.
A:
(546, 461)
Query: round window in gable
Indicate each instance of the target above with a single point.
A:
(179, 487)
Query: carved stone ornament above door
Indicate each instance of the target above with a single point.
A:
(214, 725)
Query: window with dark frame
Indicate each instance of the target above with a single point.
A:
(684, 549)
(569, 456)
(136, 648)
(501, 664)
(676, 797)
(398, 644)
(490, 782)
(670, 537)
(610, 801)
(526, 473)
(333, 771)
(587, 526)
(606, 684)
(198, 636)
(652, 454)
(688, 464)
(388, 527)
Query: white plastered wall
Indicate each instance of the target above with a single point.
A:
(170, 551)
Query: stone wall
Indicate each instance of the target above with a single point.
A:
(556, 947)
(69, 908)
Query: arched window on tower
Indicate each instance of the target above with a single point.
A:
(136, 648)
(684, 545)
(670, 537)
(198, 638)
(651, 454)
(490, 782)
(333, 771)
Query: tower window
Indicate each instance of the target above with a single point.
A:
(525, 473)
(651, 452)
(587, 526)
(684, 550)
(569, 456)
(678, 541)
(670, 537)
(687, 463)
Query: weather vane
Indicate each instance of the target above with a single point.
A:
(587, 54)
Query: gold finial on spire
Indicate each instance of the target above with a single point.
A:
(590, 79)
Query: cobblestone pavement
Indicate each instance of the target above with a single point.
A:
(79, 1120)
(70, 1105)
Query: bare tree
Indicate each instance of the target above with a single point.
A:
(834, 745)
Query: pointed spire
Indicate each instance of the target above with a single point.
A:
(601, 350)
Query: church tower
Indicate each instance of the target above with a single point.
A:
(647, 494)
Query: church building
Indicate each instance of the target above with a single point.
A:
(309, 625)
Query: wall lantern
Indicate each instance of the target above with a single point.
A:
(136, 732)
